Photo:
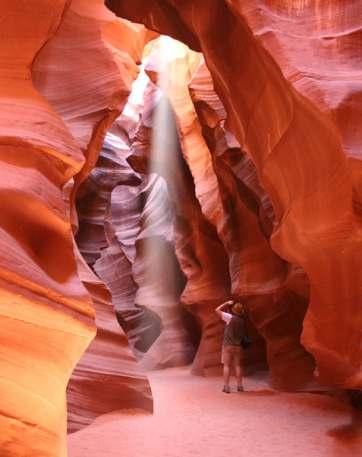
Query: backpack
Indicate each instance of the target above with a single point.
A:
(246, 340)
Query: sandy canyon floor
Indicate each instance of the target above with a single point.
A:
(194, 418)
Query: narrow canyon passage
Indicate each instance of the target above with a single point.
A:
(164, 164)
(192, 417)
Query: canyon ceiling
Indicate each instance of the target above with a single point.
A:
(112, 262)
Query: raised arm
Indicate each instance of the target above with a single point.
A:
(222, 307)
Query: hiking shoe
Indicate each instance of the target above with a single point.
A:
(226, 389)
(240, 389)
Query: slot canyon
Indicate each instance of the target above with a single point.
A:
(159, 158)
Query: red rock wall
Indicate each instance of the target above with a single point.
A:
(46, 313)
(200, 253)
(92, 85)
(300, 162)
(275, 292)
(136, 259)
(317, 49)
(228, 201)
(106, 378)
(50, 132)
(292, 98)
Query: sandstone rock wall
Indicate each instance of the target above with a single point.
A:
(212, 182)
(136, 258)
(230, 197)
(106, 378)
(275, 292)
(200, 253)
(53, 117)
(288, 75)
(46, 314)
(300, 162)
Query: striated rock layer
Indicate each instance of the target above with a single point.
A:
(50, 132)
(291, 98)
(170, 64)
(232, 201)
(98, 55)
(198, 249)
(106, 378)
(275, 292)
(46, 314)
(132, 215)
(300, 163)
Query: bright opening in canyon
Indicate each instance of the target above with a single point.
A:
(182, 194)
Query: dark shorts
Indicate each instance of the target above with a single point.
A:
(230, 354)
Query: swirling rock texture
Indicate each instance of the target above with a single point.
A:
(276, 293)
(299, 159)
(200, 253)
(96, 28)
(47, 315)
(177, 66)
(106, 378)
(136, 259)
(233, 202)
(288, 76)
(103, 47)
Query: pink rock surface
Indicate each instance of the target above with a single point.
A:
(47, 129)
(200, 253)
(138, 235)
(276, 293)
(46, 314)
(85, 44)
(316, 48)
(288, 75)
(107, 377)
(300, 162)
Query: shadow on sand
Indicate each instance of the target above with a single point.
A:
(349, 433)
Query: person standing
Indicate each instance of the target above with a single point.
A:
(233, 314)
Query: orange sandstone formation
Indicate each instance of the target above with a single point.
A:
(88, 119)
(264, 190)
(201, 256)
(49, 125)
(317, 49)
(300, 161)
(46, 314)
(106, 378)
(276, 293)
(233, 201)
(98, 55)
(137, 261)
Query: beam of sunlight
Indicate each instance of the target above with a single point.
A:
(161, 272)
(163, 155)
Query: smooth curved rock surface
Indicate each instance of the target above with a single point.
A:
(133, 251)
(316, 227)
(98, 54)
(200, 253)
(297, 116)
(107, 377)
(317, 49)
(46, 316)
(50, 130)
(275, 292)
